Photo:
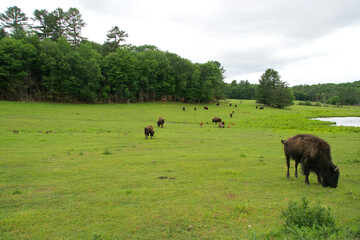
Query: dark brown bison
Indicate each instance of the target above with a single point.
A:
(235, 105)
(216, 120)
(221, 125)
(183, 108)
(230, 105)
(314, 155)
(161, 122)
(194, 108)
(262, 107)
(149, 130)
(231, 115)
(206, 108)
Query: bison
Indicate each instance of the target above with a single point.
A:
(183, 108)
(149, 130)
(314, 155)
(262, 107)
(194, 108)
(161, 122)
(216, 120)
(206, 108)
(221, 125)
(231, 115)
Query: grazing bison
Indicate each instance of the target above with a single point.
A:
(314, 155)
(221, 125)
(183, 108)
(231, 115)
(149, 130)
(256, 107)
(161, 122)
(216, 120)
(230, 104)
(262, 107)
(217, 104)
(206, 108)
(194, 108)
(235, 105)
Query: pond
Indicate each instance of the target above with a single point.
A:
(342, 121)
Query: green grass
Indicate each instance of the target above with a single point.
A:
(94, 176)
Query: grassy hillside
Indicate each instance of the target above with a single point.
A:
(94, 176)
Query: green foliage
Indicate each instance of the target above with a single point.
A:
(241, 90)
(272, 91)
(63, 67)
(343, 93)
(305, 216)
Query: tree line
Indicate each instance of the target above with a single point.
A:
(50, 60)
(329, 93)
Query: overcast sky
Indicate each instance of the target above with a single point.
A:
(306, 41)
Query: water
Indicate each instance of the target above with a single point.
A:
(342, 121)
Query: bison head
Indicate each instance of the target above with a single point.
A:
(331, 177)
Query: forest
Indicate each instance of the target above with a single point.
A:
(329, 93)
(49, 60)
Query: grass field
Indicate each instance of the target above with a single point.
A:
(94, 176)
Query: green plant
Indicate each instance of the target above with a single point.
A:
(303, 215)
(106, 151)
(303, 221)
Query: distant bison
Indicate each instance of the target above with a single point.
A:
(314, 155)
(161, 122)
(149, 130)
(216, 120)
(206, 108)
(183, 108)
(221, 125)
(194, 108)
(262, 107)
(231, 115)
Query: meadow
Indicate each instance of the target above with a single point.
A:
(82, 171)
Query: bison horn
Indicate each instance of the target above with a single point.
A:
(336, 169)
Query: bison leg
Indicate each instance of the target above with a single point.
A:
(296, 166)
(288, 165)
(319, 178)
(307, 172)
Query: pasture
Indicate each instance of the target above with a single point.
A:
(81, 171)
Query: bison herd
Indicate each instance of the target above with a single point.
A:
(312, 152)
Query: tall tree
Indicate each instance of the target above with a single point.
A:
(14, 19)
(58, 16)
(74, 24)
(43, 29)
(114, 37)
(272, 91)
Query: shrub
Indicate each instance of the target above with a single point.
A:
(303, 215)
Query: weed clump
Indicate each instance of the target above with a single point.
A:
(308, 222)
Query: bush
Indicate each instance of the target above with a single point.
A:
(303, 215)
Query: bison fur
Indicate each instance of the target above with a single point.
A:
(149, 130)
(216, 120)
(314, 155)
(161, 122)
